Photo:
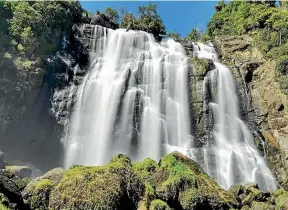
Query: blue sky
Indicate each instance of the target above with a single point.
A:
(177, 16)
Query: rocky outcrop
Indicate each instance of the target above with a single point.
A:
(262, 101)
(103, 20)
(176, 182)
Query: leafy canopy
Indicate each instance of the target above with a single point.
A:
(148, 20)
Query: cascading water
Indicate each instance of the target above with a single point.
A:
(133, 100)
(233, 157)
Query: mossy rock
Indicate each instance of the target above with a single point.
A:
(236, 190)
(159, 205)
(3, 207)
(262, 206)
(20, 171)
(113, 186)
(36, 193)
(282, 201)
(20, 182)
(183, 184)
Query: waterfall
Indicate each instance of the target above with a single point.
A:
(133, 100)
(233, 157)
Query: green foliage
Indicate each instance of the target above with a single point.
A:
(264, 21)
(112, 14)
(239, 17)
(194, 35)
(284, 4)
(265, 40)
(33, 29)
(159, 205)
(2, 207)
(175, 36)
(148, 20)
(282, 64)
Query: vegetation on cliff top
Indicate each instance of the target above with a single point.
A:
(265, 21)
(32, 30)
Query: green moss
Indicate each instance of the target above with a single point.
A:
(172, 175)
(2, 207)
(200, 65)
(187, 198)
(145, 169)
(278, 192)
(179, 176)
(43, 184)
(159, 205)
(101, 187)
(282, 201)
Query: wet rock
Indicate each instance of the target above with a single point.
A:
(261, 206)
(2, 163)
(236, 189)
(280, 107)
(102, 20)
(20, 171)
(11, 193)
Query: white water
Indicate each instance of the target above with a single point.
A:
(133, 100)
(233, 158)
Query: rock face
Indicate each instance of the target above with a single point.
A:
(102, 20)
(20, 171)
(2, 163)
(262, 101)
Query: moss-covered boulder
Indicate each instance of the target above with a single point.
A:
(10, 192)
(113, 186)
(180, 183)
(182, 178)
(159, 205)
(36, 193)
(281, 199)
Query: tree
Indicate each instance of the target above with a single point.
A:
(284, 4)
(129, 21)
(150, 21)
(112, 14)
(35, 28)
(194, 35)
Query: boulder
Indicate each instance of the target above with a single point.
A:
(36, 193)
(20, 171)
(113, 186)
(159, 205)
(180, 183)
(10, 193)
(261, 206)
(236, 189)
